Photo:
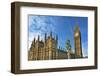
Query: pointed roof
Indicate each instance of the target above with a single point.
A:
(38, 37)
(76, 24)
(76, 28)
(50, 34)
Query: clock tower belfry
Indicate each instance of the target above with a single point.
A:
(77, 42)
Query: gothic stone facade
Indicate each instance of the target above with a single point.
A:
(47, 49)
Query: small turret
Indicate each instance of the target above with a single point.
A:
(34, 39)
(38, 37)
(56, 38)
(34, 42)
(45, 37)
(51, 34)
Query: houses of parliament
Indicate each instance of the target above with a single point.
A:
(48, 49)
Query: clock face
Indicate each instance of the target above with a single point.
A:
(76, 34)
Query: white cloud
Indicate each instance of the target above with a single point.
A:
(39, 25)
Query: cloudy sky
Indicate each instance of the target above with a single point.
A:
(63, 26)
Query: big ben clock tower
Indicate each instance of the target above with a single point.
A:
(77, 42)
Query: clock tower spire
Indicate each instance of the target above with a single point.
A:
(77, 42)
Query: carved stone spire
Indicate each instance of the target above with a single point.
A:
(45, 36)
(56, 38)
(34, 41)
(38, 37)
(51, 34)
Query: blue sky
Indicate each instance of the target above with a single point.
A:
(63, 26)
